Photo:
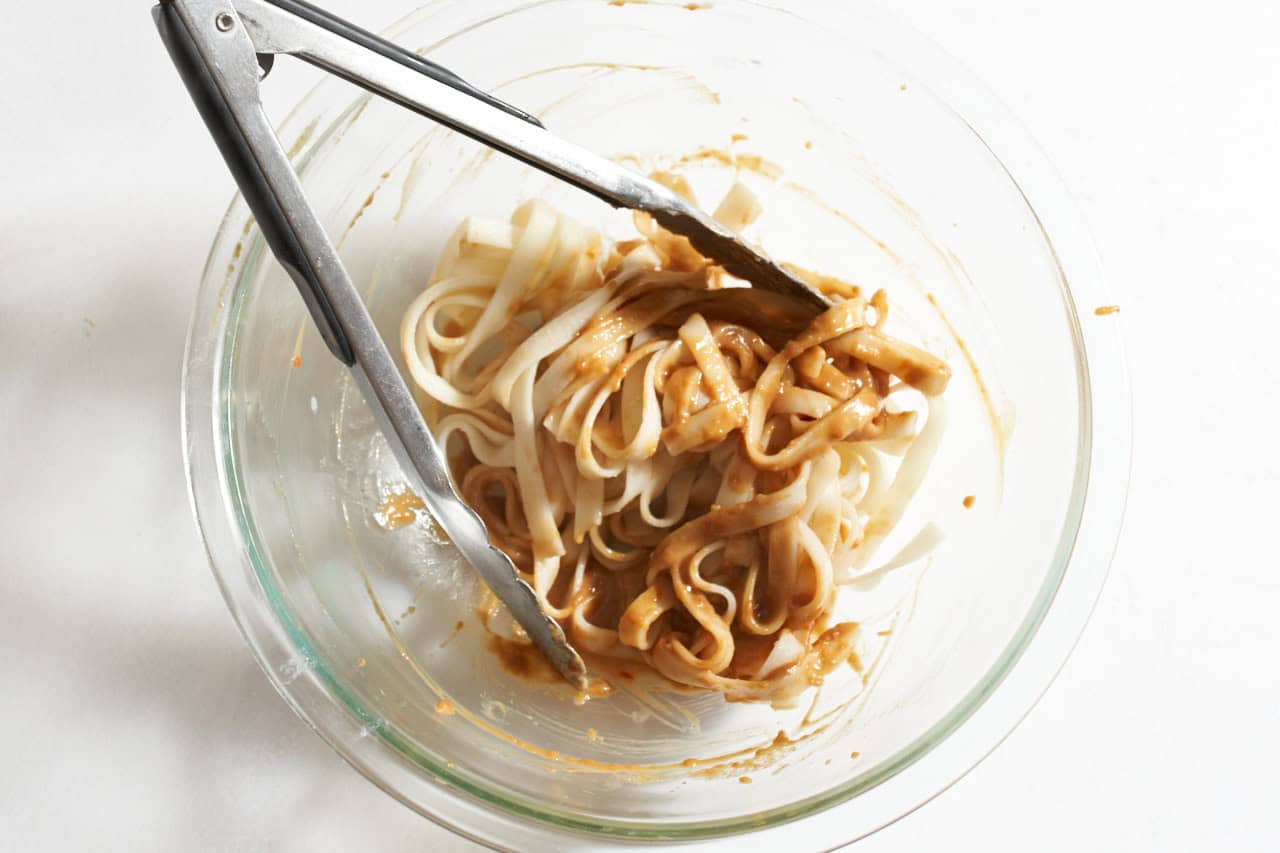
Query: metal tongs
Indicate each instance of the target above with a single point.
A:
(224, 49)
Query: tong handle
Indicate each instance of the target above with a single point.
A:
(244, 137)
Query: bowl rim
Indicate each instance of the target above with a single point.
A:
(923, 769)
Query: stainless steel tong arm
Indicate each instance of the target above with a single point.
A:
(217, 56)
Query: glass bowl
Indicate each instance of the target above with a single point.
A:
(877, 160)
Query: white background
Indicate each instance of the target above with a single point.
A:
(131, 714)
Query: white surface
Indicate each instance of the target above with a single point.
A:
(133, 717)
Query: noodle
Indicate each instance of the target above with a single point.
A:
(683, 469)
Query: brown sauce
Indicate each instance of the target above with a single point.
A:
(523, 661)
(398, 510)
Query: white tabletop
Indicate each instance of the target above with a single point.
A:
(133, 717)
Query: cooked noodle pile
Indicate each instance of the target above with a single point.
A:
(683, 469)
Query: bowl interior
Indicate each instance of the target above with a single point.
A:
(864, 173)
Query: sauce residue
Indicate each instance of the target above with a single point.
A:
(457, 629)
(368, 202)
(815, 199)
(968, 501)
(303, 138)
(752, 757)
(998, 432)
(398, 510)
(752, 163)
(523, 661)
(739, 161)
(1104, 310)
(446, 708)
(692, 7)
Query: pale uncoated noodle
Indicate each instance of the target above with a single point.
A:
(682, 468)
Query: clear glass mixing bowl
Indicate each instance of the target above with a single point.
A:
(877, 160)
